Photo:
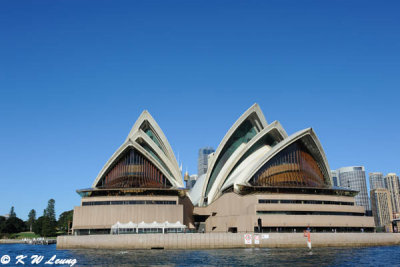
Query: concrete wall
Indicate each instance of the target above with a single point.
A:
(240, 211)
(223, 240)
(187, 211)
(104, 216)
(246, 223)
(11, 241)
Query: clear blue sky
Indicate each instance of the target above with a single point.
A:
(75, 75)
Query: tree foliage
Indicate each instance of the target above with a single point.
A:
(45, 225)
(12, 213)
(13, 225)
(64, 219)
(50, 210)
(31, 219)
(37, 226)
(48, 227)
(2, 223)
(49, 222)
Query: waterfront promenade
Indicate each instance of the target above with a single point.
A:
(31, 241)
(225, 240)
(11, 241)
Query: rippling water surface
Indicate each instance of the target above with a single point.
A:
(366, 256)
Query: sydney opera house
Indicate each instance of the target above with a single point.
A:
(258, 179)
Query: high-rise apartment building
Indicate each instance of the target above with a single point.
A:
(376, 180)
(381, 207)
(354, 178)
(192, 181)
(202, 162)
(392, 184)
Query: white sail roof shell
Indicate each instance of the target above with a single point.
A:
(243, 163)
(170, 169)
(255, 114)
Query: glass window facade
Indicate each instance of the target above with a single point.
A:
(354, 178)
(123, 231)
(393, 185)
(298, 212)
(292, 167)
(150, 230)
(294, 201)
(243, 134)
(133, 170)
(150, 133)
(130, 202)
(381, 207)
(376, 180)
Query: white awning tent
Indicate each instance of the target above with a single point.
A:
(115, 229)
(174, 225)
(128, 225)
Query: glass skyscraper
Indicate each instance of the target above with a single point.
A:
(392, 184)
(354, 178)
(202, 162)
(376, 180)
(381, 207)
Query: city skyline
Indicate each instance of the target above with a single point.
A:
(72, 85)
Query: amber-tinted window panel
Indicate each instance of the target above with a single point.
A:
(133, 170)
(292, 167)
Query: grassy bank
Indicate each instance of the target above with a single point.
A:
(23, 235)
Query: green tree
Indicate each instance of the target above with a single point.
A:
(31, 219)
(37, 225)
(64, 219)
(48, 227)
(50, 210)
(14, 225)
(12, 213)
(49, 220)
(2, 223)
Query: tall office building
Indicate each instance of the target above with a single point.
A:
(381, 207)
(334, 178)
(192, 181)
(392, 184)
(354, 178)
(202, 162)
(376, 180)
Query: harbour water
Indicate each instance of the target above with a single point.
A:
(364, 256)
